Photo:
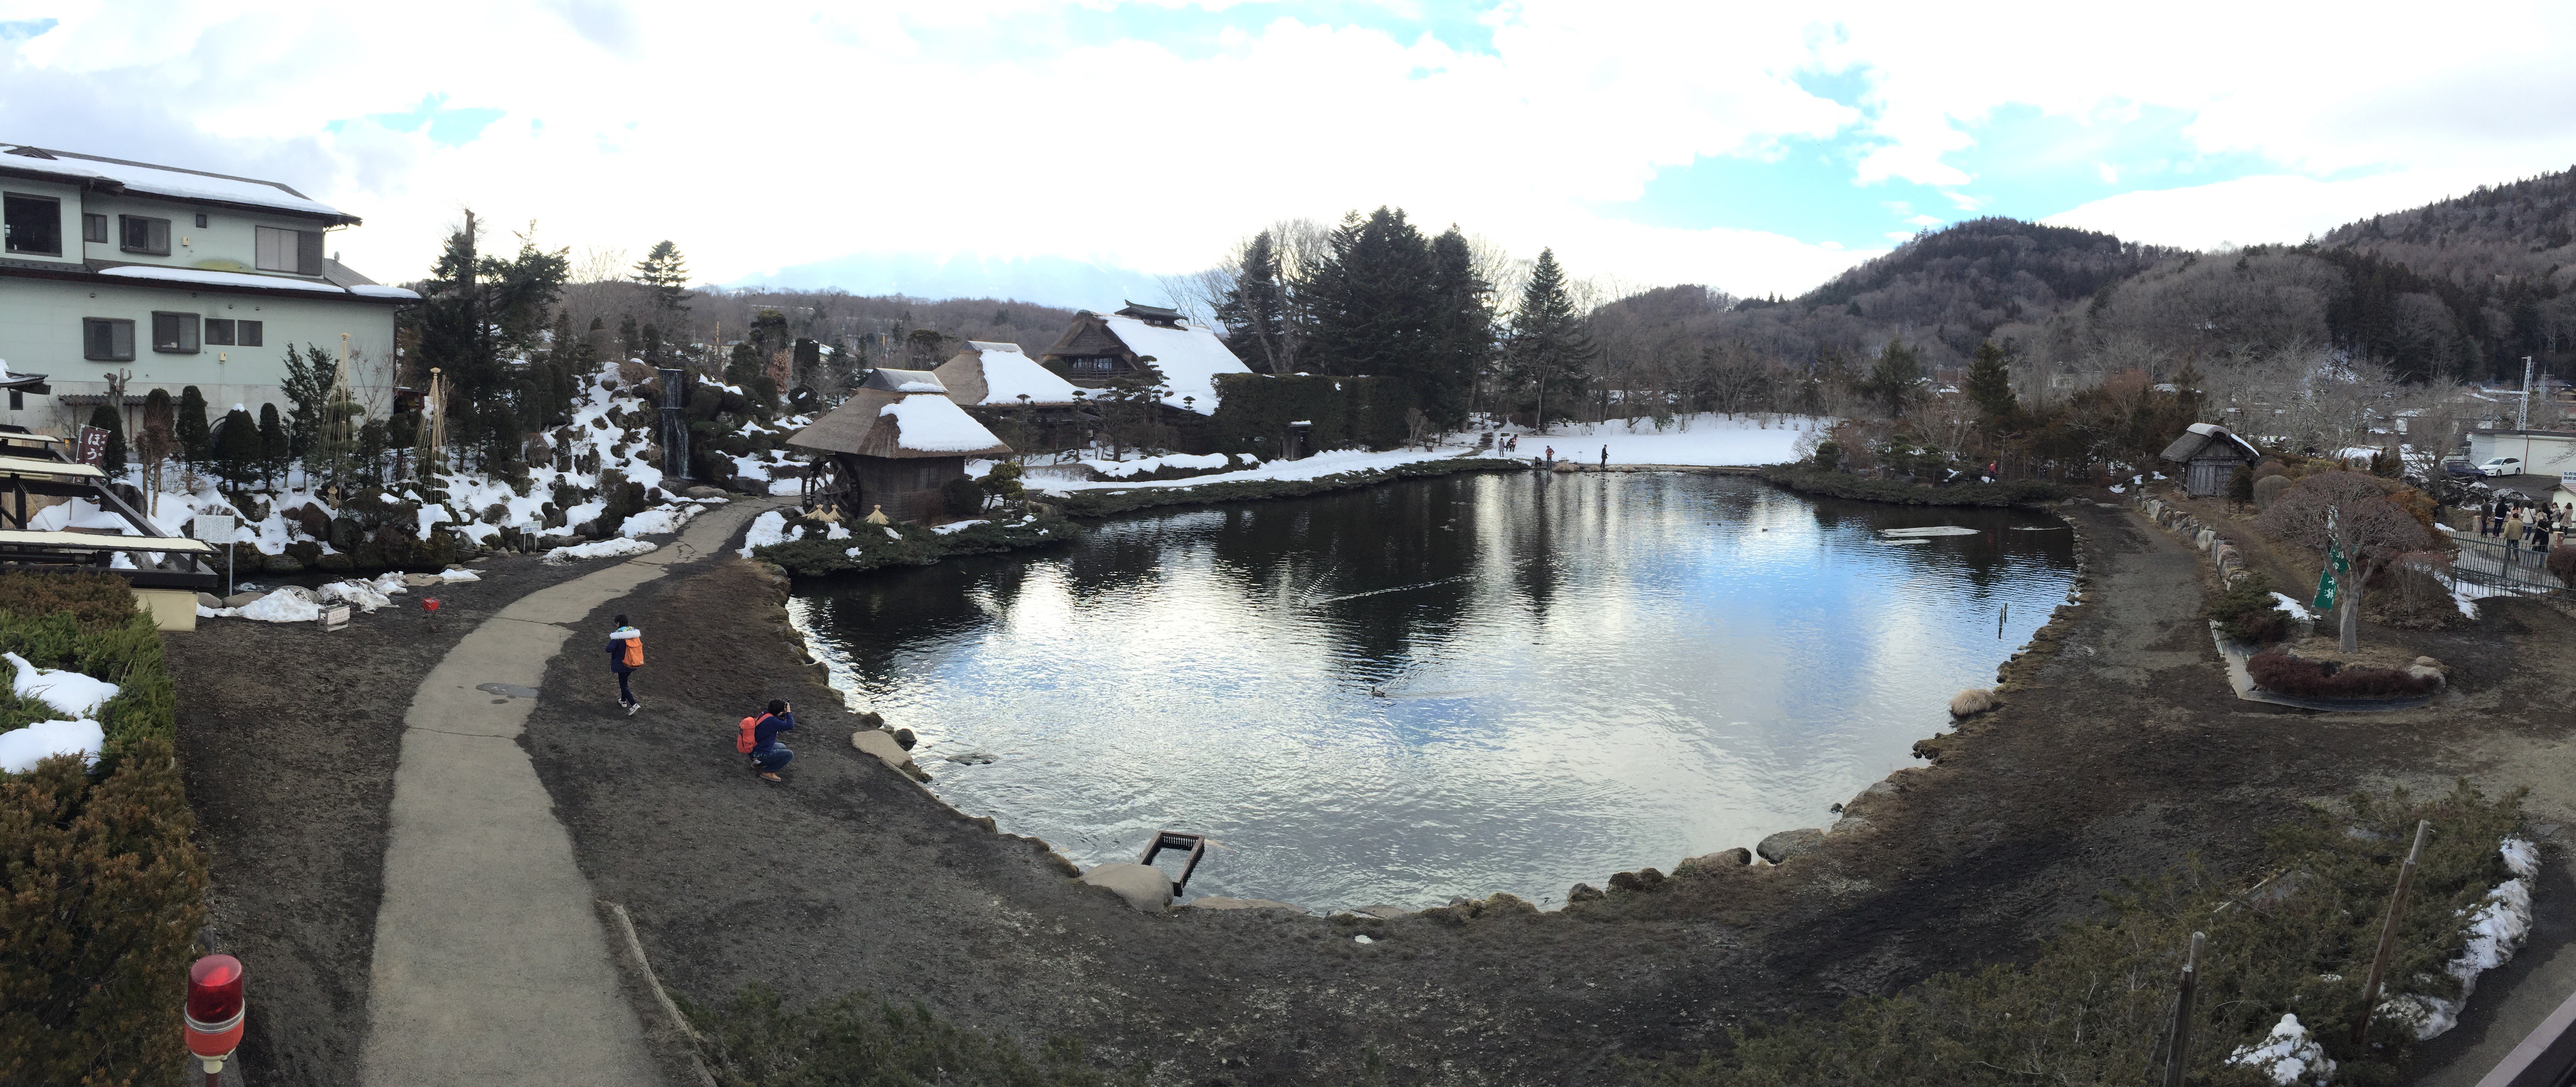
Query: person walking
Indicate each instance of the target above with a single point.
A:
(625, 655)
(768, 755)
(1605, 458)
(2513, 536)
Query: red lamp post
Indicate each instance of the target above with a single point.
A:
(214, 1016)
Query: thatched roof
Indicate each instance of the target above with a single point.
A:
(997, 374)
(877, 422)
(2209, 440)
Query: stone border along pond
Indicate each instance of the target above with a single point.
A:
(890, 745)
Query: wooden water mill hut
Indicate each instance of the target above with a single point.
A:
(893, 444)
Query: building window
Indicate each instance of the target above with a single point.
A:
(174, 333)
(297, 251)
(106, 339)
(201, 220)
(93, 227)
(247, 334)
(219, 332)
(144, 234)
(34, 224)
(17, 399)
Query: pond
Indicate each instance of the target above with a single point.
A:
(1443, 687)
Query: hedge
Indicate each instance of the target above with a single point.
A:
(1810, 480)
(104, 891)
(910, 545)
(1253, 412)
(1101, 503)
(2299, 676)
(752, 1040)
(2093, 1006)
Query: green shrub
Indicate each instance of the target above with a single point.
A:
(1808, 480)
(2093, 1006)
(965, 498)
(2246, 612)
(752, 1040)
(88, 623)
(1253, 412)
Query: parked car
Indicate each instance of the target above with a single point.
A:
(2501, 466)
(2459, 467)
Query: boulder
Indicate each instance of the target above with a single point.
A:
(209, 600)
(238, 600)
(2428, 662)
(2424, 672)
(704, 491)
(1144, 886)
(1583, 892)
(1725, 858)
(882, 745)
(281, 564)
(1643, 879)
(1220, 902)
(335, 563)
(422, 581)
(1778, 848)
(1971, 702)
(904, 738)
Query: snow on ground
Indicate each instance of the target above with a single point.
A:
(2288, 1056)
(1121, 469)
(766, 529)
(2496, 929)
(955, 526)
(1315, 467)
(21, 749)
(292, 604)
(1703, 439)
(617, 547)
(69, 693)
(660, 520)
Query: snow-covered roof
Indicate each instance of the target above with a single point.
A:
(2200, 436)
(167, 181)
(999, 374)
(935, 424)
(1188, 356)
(881, 422)
(207, 278)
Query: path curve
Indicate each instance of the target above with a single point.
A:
(491, 965)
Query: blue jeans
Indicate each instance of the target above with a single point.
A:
(772, 760)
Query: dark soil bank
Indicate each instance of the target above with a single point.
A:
(287, 738)
(2119, 751)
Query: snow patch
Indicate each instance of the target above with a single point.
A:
(957, 526)
(292, 604)
(2496, 929)
(69, 693)
(2287, 1056)
(2286, 602)
(21, 749)
(766, 529)
(616, 547)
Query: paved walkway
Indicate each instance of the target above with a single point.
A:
(491, 965)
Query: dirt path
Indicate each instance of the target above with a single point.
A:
(2119, 751)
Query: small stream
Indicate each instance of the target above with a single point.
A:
(1444, 687)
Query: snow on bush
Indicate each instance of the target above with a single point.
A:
(2287, 1056)
(2496, 929)
(2286, 602)
(21, 749)
(957, 526)
(69, 693)
(617, 547)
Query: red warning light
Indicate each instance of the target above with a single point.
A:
(214, 1016)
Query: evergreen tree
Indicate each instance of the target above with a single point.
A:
(276, 446)
(1255, 311)
(808, 365)
(307, 385)
(195, 437)
(1370, 299)
(237, 448)
(1461, 343)
(667, 274)
(477, 316)
(1895, 379)
(157, 439)
(105, 418)
(1990, 385)
(1549, 352)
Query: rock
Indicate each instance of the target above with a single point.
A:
(904, 738)
(1507, 902)
(882, 745)
(238, 600)
(1583, 892)
(422, 581)
(334, 564)
(210, 600)
(2423, 672)
(703, 491)
(1384, 913)
(1849, 824)
(870, 719)
(1643, 879)
(1737, 857)
(1220, 902)
(1790, 843)
(280, 564)
(1971, 702)
(1144, 886)
(2427, 662)
(969, 758)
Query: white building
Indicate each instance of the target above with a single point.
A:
(172, 277)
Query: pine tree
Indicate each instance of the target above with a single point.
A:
(1370, 300)
(1990, 385)
(195, 437)
(105, 418)
(307, 387)
(275, 444)
(1549, 350)
(1255, 311)
(237, 448)
(1462, 332)
(667, 274)
(1895, 379)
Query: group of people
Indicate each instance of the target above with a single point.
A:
(759, 736)
(2524, 526)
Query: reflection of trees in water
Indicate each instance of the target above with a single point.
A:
(873, 617)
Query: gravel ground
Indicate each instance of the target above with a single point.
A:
(2119, 750)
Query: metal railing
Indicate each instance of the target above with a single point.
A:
(2485, 567)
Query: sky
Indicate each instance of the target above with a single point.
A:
(1755, 148)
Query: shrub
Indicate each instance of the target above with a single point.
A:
(2374, 518)
(965, 498)
(2267, 489)
(2303, 678)
(752, 1040)
(2246, 612)
(2562, 562)
(2092, 1008)
(1253, 411)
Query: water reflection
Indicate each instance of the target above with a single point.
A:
(1445, 687)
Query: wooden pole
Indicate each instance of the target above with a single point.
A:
(2179, 1043)
(2388, 936)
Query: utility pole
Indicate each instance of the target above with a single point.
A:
(2522, 415)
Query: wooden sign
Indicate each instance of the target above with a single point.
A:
(93, 447)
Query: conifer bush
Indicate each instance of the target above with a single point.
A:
(2246, 612)
(753, 1040)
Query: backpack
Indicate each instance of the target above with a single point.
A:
(634, 657)
(743, 744)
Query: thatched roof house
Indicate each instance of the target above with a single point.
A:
(998, 375)
(1101, 348)
(894, 443)
(2210, 455)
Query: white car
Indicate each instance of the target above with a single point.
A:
(2501, 466)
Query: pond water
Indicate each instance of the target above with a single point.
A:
(1444, 687)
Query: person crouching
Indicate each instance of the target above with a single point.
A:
(767, 754)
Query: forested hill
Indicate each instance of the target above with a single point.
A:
(2525, 229)
(1985, 272)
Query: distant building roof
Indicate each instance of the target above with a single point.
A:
(1154, 314)
(905, 424)
(888, 379)
(999, 374)
(168, 182)
(2196, 441)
